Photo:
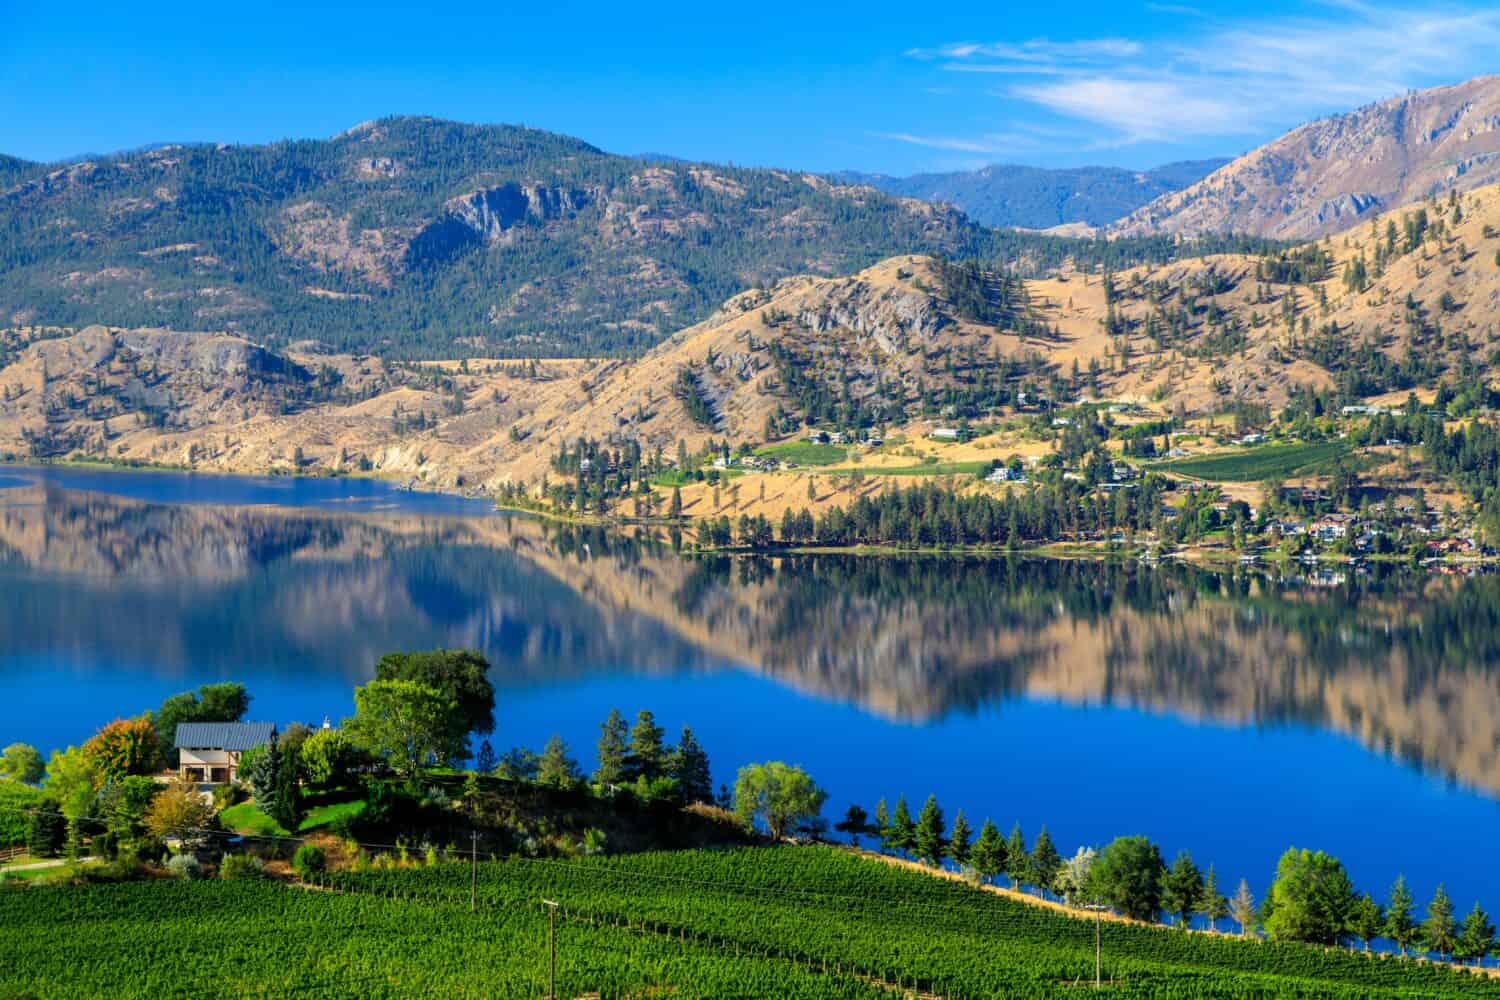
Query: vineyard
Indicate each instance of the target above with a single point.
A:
(1261, 463)
(762, 922)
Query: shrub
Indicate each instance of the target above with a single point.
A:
(309, 860)
(227, 795)
(241, 866)
(185, 866)
(48, 830)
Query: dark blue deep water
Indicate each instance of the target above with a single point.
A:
(1228, 713)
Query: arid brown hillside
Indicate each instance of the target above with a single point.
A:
(1328, 175)
(1404, 301)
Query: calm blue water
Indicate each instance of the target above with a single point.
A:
(1226, 715)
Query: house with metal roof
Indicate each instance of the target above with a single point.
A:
(210, 751)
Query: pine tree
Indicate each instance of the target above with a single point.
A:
(264, 770)
(1367, 920)
(882, 825)
(485, 762)
(1045, 862)
(286, 797)
(958, 840)
(557, 767)
(1017, 858)
(1181, 888)
(932, 845)
(903, 835)
(611, 750)
(855, 823)
(1400, 920)
(1242, 908)
(1439, 932)
(1213, 905)
(1477, 936)
(647, 755)
(989, 852)
(690, 767)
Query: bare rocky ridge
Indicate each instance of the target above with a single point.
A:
(1328, 175)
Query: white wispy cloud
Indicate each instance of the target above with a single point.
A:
(1225, 77)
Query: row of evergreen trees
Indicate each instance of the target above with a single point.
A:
(1311, 898)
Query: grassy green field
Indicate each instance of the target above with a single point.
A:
(757, 922)
(247, 818)
(804, 453)
(1256, 464)
(932, 469)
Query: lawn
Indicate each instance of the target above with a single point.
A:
(1256, 464)
(247, 818)
(933, 469)
(804, 453)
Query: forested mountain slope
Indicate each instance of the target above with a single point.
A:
(1402, 303)
(429, 238)
(1330, 174)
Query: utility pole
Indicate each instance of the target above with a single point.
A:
(1098, 950)
(551, 948)
(473, 870)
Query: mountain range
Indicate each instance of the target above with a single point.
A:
(1039, 198)
(1328, 175)
(419, 237)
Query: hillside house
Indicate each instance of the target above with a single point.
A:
(210, 751)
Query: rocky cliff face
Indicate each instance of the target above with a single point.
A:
(1328, 175)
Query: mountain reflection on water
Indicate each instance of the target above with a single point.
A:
(1402, 662)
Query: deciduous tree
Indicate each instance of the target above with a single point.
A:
(459, 675)
(125, 747)
(21, 762)
(1310, 900)
(777, 794)
(407, 724)
(1128, 876)
(179, 810)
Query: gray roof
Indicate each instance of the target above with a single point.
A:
(223, 735)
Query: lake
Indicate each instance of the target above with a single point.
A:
(1232, 713)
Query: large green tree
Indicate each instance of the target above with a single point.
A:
(777, 794)
(1128, 874)
(989, 851)
(1366, 920)
(1476, 937)
(407, 724)
(1017, 858)
(1045, 862)
(932, 844)
(1212, 903)
(556, 767)
(1311, 899)
(21, 762)
(647, 757)
(959, 848)
(1182, 888)
(610, 752)
(460, 675)
(689, 765)
(1439, 930)
(903, 832)
(1400, 916)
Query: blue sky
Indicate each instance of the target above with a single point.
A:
(896, 88)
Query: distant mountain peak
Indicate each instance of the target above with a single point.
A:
(1025, 197)
(1330, 174)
